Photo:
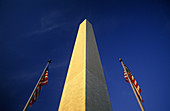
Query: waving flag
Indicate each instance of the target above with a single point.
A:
(135, 87)
(132, 79)
(43, 81)
(36, 92)
(135, 84)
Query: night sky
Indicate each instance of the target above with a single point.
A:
(34, 31)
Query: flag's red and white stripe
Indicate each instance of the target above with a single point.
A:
(36, 94)
(43, 81)
(134, 82)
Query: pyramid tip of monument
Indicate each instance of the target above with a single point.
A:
(86, 21)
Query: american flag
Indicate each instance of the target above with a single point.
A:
(134, 82)
(43, 81)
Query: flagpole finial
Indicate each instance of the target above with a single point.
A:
(49, 61)
(120, 59)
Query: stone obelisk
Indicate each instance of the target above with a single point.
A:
(85, 88)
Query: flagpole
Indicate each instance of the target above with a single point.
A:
(138, 93)
(139, 102)
(36, 86)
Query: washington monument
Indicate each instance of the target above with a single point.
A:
(85, 87)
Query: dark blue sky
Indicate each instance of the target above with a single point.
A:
(31, 32)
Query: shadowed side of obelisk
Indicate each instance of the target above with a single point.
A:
(97, 97)
(73, 96)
